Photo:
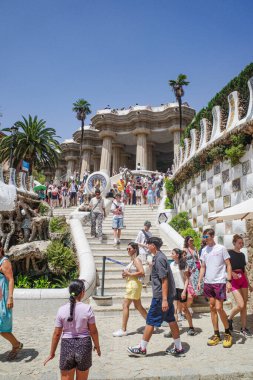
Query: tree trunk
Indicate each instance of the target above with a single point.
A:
(81, 148)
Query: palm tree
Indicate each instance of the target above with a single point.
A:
(177, 87)
(82, 109)
(33, 143)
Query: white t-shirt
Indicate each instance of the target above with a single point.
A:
(141, 238)
(178, 275)
(214, 258)
(97, 205)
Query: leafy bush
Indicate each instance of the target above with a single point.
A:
(169, 187)
(43, 208)
(23, 281)
(58, 224)
(60, 258)
(168, 204)
(180, 222)
(42, 283)
(194, 234)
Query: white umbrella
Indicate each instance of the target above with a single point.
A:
(243, 210)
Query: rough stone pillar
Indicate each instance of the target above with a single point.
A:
(86, 159)
(106, 155)
(116, 157)
(70, 167)
(141, 148)
(57, 175)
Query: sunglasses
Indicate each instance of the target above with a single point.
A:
(205, 236)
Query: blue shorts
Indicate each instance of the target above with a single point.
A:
(156, 316)
(117, 223)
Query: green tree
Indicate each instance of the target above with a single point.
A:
(34, 143)
(177, 87)
(82, 109)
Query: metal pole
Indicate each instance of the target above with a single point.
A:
(103, 277)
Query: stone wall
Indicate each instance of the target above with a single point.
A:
(220, 185)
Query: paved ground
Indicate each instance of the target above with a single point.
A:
(33, 325)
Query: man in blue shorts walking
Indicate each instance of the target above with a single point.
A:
(161, 308)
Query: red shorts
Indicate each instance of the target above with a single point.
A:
(217, 291)
(239, 283)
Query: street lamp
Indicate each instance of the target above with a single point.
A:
(13, 130)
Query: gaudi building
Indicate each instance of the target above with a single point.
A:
(140, 134)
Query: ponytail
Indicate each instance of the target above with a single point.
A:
(75, 288)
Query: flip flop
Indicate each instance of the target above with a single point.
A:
(13, 354)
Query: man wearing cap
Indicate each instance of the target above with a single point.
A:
(97, 207)
(142, 238)
(161, 308)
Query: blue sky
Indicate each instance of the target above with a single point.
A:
(116, 52)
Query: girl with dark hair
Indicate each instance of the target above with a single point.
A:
(75, 324)
(132, 274)
(193, 263)
(6, 304)
(240, 285)
(180, 273)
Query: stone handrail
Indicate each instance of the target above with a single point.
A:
(212, 134)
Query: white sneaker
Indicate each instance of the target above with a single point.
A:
(119, 333)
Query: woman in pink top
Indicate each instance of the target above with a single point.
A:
(75, 325)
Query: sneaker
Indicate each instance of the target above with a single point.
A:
(118, 241)
(214, 340)
(175, 352)
(181, 317)
(227, 341)
(191, 332)
(164, 324)
(119, 333)
(136, 351)
(246, 333)
(230, 322)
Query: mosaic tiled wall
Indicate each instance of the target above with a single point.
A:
(213, 190)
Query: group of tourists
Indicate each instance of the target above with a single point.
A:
(140, 190)
(65, 194)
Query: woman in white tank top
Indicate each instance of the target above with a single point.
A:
(132, 273)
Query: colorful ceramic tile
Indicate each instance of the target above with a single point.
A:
(193, 181)
(218, 191)
(205, 219)
(194, 222)
(198, 188)
(228, 228)
(227, 201)
(216, 169)
(199, 210)
(236, 184)
(203, 176)
(193, 202)
(249, 193)
(203, 197)
(225, 176)
(245, 167)
(211, 206)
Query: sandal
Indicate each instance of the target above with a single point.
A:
(15, 350)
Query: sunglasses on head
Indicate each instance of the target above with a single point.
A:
(205, 236)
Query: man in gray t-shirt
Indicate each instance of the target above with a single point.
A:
(161, 308)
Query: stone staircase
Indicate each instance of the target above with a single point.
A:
(134, 219)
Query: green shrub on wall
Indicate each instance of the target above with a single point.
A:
(194, 234)
(170, 190)
(168, 204)
(182, 225)
(61, 259)
(239, 84)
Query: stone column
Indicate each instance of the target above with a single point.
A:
(57, 175)
(106, 155)
(70, 167)
(86, 159)
(116, 153)
(141, 148)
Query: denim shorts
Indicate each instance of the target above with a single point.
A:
(156, 316)
(117, 223)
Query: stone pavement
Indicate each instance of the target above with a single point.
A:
(34, 322)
